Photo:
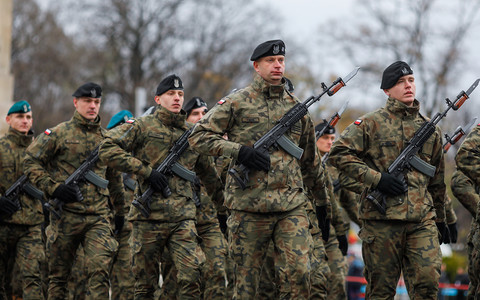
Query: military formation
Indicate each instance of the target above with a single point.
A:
(187, 202)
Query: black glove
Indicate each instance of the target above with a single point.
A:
(158, 181)
(442, 232)
(65, 193)
(7, 207)
(222, 219)
(323, 222)
(391, 185)
(119, 222)
(452, 232)
(343, 243)
(253, 159)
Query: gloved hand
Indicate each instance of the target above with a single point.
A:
(391, 185)
(119, 222)
(253, 159)
(222, 219)
(7, 207)
(65, 193)
(442, 232)
(453, 233)
(343, 243)
(323, 222)
(158, 181)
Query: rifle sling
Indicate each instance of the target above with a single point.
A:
(290, 147)
(93, 178)
(32, 191)
(422, 166)
(183, 172)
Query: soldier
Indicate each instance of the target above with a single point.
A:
(271, 208)
(337, 245)
(406, 238)
(21, 217)
(171, 222)
(122, 279)
(50, 160)
(465, 185)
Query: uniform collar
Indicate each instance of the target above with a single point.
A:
(171, 119)
(19, 138)
(272, 91)
(79, 120)
(397, 107)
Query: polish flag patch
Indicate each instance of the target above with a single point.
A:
(358, 122)
(221, 101)
(48, 131)
(130, 121)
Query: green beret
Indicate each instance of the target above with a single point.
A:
(19, 107)
(171, 82)
(194, 103)
(268, 48)
(393, 73)
(89, 89)
(119, 118)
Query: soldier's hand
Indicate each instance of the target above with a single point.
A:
(453, 233)
(254, 159)
(442, 232)
(65, 193)
(323, 222)
(222, 219)
(343, 243)
(391, 185)
(158, 181)
(119, 223)
(7, 207)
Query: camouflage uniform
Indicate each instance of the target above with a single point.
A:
(171, 223)
(348, 199)
(54, 156)
(20, 233)
(406, 238)
(467, 159)
(272, 208)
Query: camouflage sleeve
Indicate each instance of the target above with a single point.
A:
(116, 150)
(207, 137)
(341, 227)
(349, 201)
(436, 186)
(449, 212)
(468, 156)
(464, 190)
(116, 190)
(347, 153)
(205, 169)
(37, 157)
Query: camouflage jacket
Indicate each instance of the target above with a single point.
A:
(59, 151)
(371, 144)
(246, 115)
(150, 138)
(463, 189)
(12, 152)
(338, 222)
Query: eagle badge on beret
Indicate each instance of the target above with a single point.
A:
(276, 49)
(176, 83)
(93, 93)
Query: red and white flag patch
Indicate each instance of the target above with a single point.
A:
(130, 121)
(221, 101)
(47, 131)
(358, 122)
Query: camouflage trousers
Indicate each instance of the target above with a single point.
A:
(249, 239)
(214, 246)
(21, 244)
(77, 282)
(338, 268)
(474, 264)
(64, 236)
(392, 247)
(122, 279)
(320, 268)
(148, 241)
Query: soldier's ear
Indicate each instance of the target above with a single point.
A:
(387, 92)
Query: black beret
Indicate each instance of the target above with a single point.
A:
(393, 73)
(19, 107)
(171, 82)
(89, 89)
(268, 48)
(194, 103)
(320, 126)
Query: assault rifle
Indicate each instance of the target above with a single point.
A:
(408, 158)
(276, 137)
(457, 135)
(168, 167)
(83, 173)
(22, 185)
(333, 121)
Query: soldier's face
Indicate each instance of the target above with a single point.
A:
(171, 100)
(270, 68)
(87, 107)
(404, 90)
(196, 114)
(21, 122)
(325, 142)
